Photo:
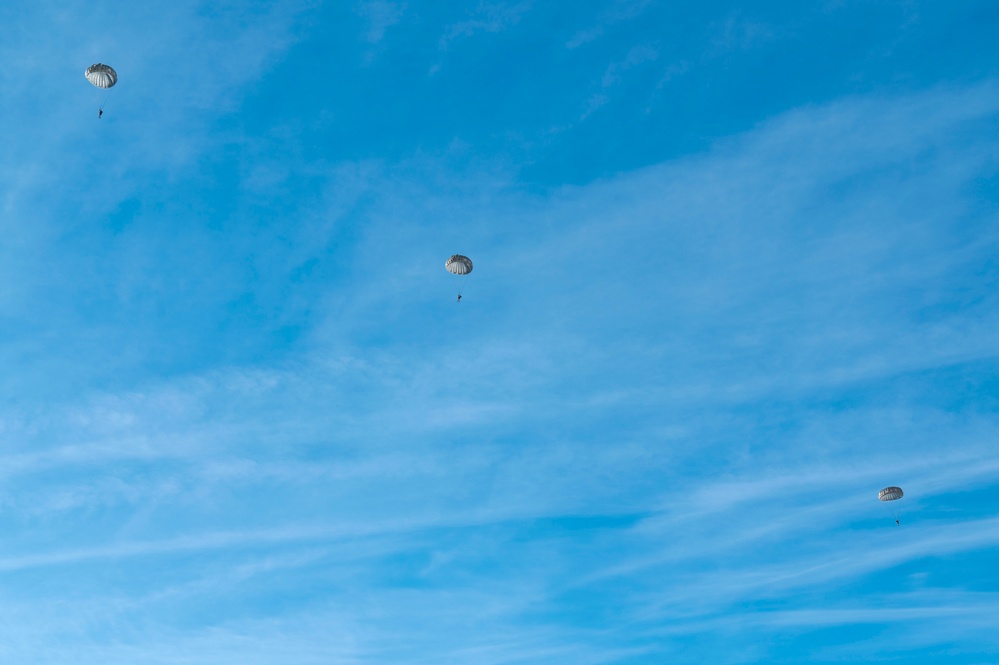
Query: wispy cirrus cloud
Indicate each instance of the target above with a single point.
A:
(646, 382)
(490, 17)
(620, 11)
(382, 15)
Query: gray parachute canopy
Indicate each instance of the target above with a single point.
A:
(890, 494)
(458, 265)
(103, 76)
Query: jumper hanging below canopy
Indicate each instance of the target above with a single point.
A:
(104, 77)
(461, 266)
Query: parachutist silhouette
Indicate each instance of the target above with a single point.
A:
(104, 77)
(458, 265)
(892, 493)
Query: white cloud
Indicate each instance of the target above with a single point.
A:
(664, 357)
(620, 11)
(490, 17)
(382, 15)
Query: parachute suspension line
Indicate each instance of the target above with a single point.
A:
(105, 100)
(893, 511)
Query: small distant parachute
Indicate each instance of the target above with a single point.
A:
(890, 494)
(101, 75)
(461, 266)
(458, 265)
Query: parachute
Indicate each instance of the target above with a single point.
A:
(102, 76)
(458, 265)
(890, 494)
(461, 266)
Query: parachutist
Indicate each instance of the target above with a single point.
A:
(458, 265)
(892, 493)
(104, 77)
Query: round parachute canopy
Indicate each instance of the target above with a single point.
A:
(458, 265)
(103, 76)
(890, 494)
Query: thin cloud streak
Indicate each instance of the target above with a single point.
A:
(649, 390)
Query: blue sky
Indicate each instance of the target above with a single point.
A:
(735, 271)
